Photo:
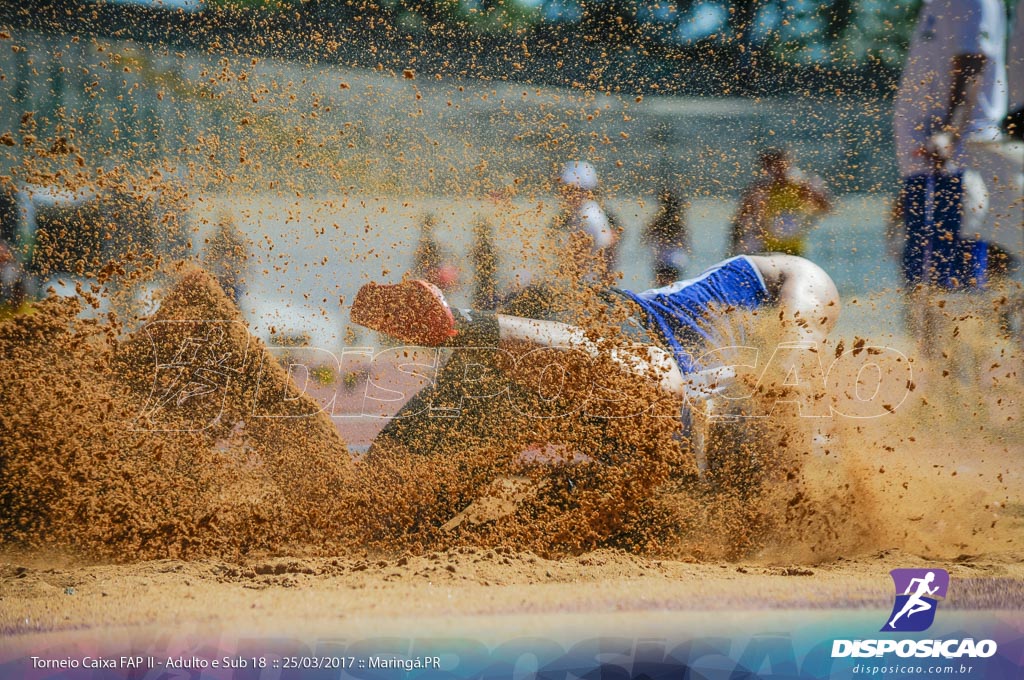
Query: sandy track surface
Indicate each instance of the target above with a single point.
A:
(308, 595)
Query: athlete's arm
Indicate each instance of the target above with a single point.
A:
(963, 95)
(748, 224)
(814, 192)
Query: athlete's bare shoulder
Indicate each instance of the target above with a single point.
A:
(801, 286)
(777, 268)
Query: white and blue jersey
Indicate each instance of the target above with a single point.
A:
(687, 315)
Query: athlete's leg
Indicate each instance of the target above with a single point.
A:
(415, 311)
(469, 395)
(484, 343)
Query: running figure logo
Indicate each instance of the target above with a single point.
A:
(917, 595)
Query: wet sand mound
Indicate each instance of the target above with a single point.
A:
(149, 447)
(203, 371)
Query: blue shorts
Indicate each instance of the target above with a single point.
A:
(932, 211)
(690, 316)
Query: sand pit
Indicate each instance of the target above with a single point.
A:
(171, 483)
(181, 475)
(208, 513)
(319, 595)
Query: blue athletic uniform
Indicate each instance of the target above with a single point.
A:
(688, 315)
(932, 211)
(935, 253)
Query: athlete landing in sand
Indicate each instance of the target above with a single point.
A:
(675, 325)
(664, 340)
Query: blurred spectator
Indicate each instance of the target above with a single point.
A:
(779, 210)
(484, 258)
(10, 218)
(668, 237)
(1014, 124)
(433, 262)
(227, 256)
(583, 226)
(931, 255)
(973, 264)
(980, 265)
(13, 294)
(955, 164)
(13, 282)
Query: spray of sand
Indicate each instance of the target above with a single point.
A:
(127, 448)
(187, 438)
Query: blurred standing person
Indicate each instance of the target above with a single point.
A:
(13, 296)
(584, 230)
(484, 258)
(13, 283)
(951, 153)
(426, 259)
(988, 151)
(432, 261)
(1014, 123)
(779, 210)
(668, 237)
(10, 213)
(227, 257)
